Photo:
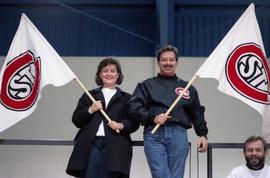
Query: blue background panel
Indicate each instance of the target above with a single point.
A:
(129, 28)
(85, 30)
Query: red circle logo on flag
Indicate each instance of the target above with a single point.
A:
(20, 82)
(248, 73)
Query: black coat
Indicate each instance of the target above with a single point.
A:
(155, 95)
(119, 146)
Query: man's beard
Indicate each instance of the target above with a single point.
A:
(255, 162)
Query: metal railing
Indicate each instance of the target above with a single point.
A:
(212, 146)
(56, 142)
(47, 142)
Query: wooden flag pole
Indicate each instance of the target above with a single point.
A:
(175, 102)
(93, 100)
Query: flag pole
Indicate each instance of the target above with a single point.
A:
(175, 102)
(93, 100)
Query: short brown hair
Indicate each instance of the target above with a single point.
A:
(165, 49)
(103, 64)
(254, 138)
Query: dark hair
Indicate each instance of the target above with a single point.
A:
(103, 64)
(167, 48)
(253, 139)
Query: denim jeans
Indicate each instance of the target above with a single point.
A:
(96, 167)
(166, 150)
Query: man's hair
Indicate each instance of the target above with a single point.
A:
(103, 64)
(165, 49)
(254, 138)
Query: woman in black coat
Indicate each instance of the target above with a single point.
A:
(99, 151)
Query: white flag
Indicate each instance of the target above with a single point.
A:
(240, 65)
(31, 63)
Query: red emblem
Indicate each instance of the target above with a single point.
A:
(248, 73)
(179, 90)
(20, 82)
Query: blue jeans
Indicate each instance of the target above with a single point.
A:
(166, 151)
(96, 167)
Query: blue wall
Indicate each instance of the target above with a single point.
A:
(73, 33)
(127, 27)
(201, 25)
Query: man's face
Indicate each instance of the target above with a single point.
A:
(167, 63)
(255, 154)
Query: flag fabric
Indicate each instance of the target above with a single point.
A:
(31, 64)
(240, 65)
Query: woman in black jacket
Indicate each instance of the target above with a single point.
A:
(99, 151)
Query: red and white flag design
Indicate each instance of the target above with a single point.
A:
(240, 66)
(31, 64)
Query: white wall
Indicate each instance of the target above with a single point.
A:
(229, 120)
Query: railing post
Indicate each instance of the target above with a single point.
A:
(209, 162)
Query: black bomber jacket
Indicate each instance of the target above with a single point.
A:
(155, 95)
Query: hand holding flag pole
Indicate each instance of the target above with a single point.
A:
(93, 100)
(175, 102)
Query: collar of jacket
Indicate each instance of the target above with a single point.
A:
(173, 77)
